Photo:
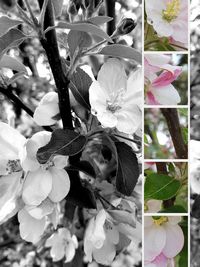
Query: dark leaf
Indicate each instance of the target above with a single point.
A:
(99, 20)
(195, 212)
(8, 23)
(11, 39)
(128, 169)
(174, 209)
(77, 41)
(121, 51)
(79, 84)
(63, 142)
(83, 166)
(85, 27)
(78, 194)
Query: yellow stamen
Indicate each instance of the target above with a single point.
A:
(172, 10)
(160, 220)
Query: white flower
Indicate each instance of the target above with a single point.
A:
(62, 245)
(48, 110)
(43, 180)
(163, 239)
(100, 239)
(11, 141)
(114, 99)
(45, 185)
(169, 18)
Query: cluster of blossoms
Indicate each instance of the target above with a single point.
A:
(114, 99)
(164, 239)
(110, 231)
(34, 190)
(28, 187)
(159, 75)
(169, 19)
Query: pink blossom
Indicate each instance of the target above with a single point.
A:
(159, 75)
(163, 240)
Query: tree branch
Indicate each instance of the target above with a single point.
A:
(50, 45)
(110, 11)
(172, 119)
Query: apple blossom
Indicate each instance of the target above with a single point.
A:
(169, 18)
(164, 240)
(114, 99)
(47, 111)
(100, 239)
(62, 244)
(11, 141)
(159, 75)
(55, 181)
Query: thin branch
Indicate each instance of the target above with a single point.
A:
(173, 123)
(110, 12)
(50, 45)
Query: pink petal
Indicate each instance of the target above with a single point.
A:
(166, 78)
(174, 241)
(154, 241)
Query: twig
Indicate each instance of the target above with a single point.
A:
(110, 11)
(172, 119)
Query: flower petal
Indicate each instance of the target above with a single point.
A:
(11, 142)
(166, 95)
(106, 254)
(112, 77)
(31, 229)
(60, 184)
(154, 241)
(153, 205)
(48, 108)
(69, 252)
(38, 212)
(37, 187)
(174, 240)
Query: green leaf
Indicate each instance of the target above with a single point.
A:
(80, 83)
(77, 41)
(63, 142)
(160, 186)
(8, 23)
(174, 209)
(128, 169)
(122, 51)
(99, 20)
(84, 27)
(11, 39)
(12, 63)
(57, 4)
(195, 212)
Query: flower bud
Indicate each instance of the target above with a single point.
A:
(125, 26)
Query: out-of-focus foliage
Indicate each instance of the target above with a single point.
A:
(158, 142)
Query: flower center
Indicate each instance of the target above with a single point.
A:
(160, 220)
(171, 11)
(116, 102)
(13, 166)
